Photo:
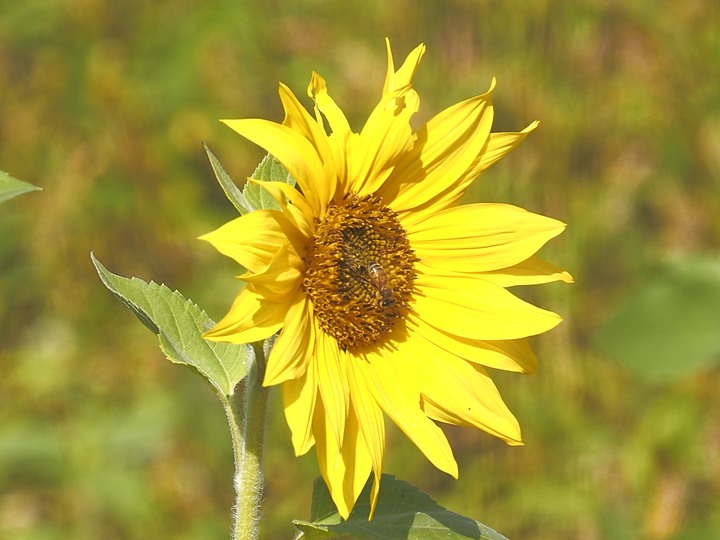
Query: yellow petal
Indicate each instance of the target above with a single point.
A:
(297, 118)
(332, 382)
(345, 470)
(474, 308)
(389, 377)
(460, 393)
(294, 206)
(498, 145)
(299, 400)
(386, 136)
(318, 91)
(293, 150)
(281, 279)
(389, 84)
(533, 271)
(251, 318)
(253, 239)
(443, 152)
(340, 130)
(290, 355)
(395, 80)
(509, 355)
(371, 422)
(481, 237)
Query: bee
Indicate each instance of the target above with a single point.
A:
(379, 279)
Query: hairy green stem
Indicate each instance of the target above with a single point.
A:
(246, 415)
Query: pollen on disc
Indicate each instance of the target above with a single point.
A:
(360, 271)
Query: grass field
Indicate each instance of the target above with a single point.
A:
(105, 105)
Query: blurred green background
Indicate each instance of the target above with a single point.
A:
(105, 104)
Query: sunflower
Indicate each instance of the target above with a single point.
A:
(389, 295)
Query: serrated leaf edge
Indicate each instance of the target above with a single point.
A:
(103, 272)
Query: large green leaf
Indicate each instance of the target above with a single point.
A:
(179, 324)
(670, 327)
(11, 187)
(403, 512)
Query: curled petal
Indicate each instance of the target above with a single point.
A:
(251, 318)
(340, 131)
(291, 353)
(386, 136)
(280, 280)
(299, 402)
(253, 240)
(317, 90)
(395, 80)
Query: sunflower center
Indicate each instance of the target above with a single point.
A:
(359, 271)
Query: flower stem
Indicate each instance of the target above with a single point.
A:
(246, 415)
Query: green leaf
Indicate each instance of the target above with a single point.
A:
(668, 329)
(179, 324)
(11, 187)
(253, 196)
(232, 192)
(403, 512)
(269, 170)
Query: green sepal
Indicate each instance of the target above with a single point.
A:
(180, 324)
(402, 511)
(268, 170)
(253, 196)
(232, 192)
(12, 187)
